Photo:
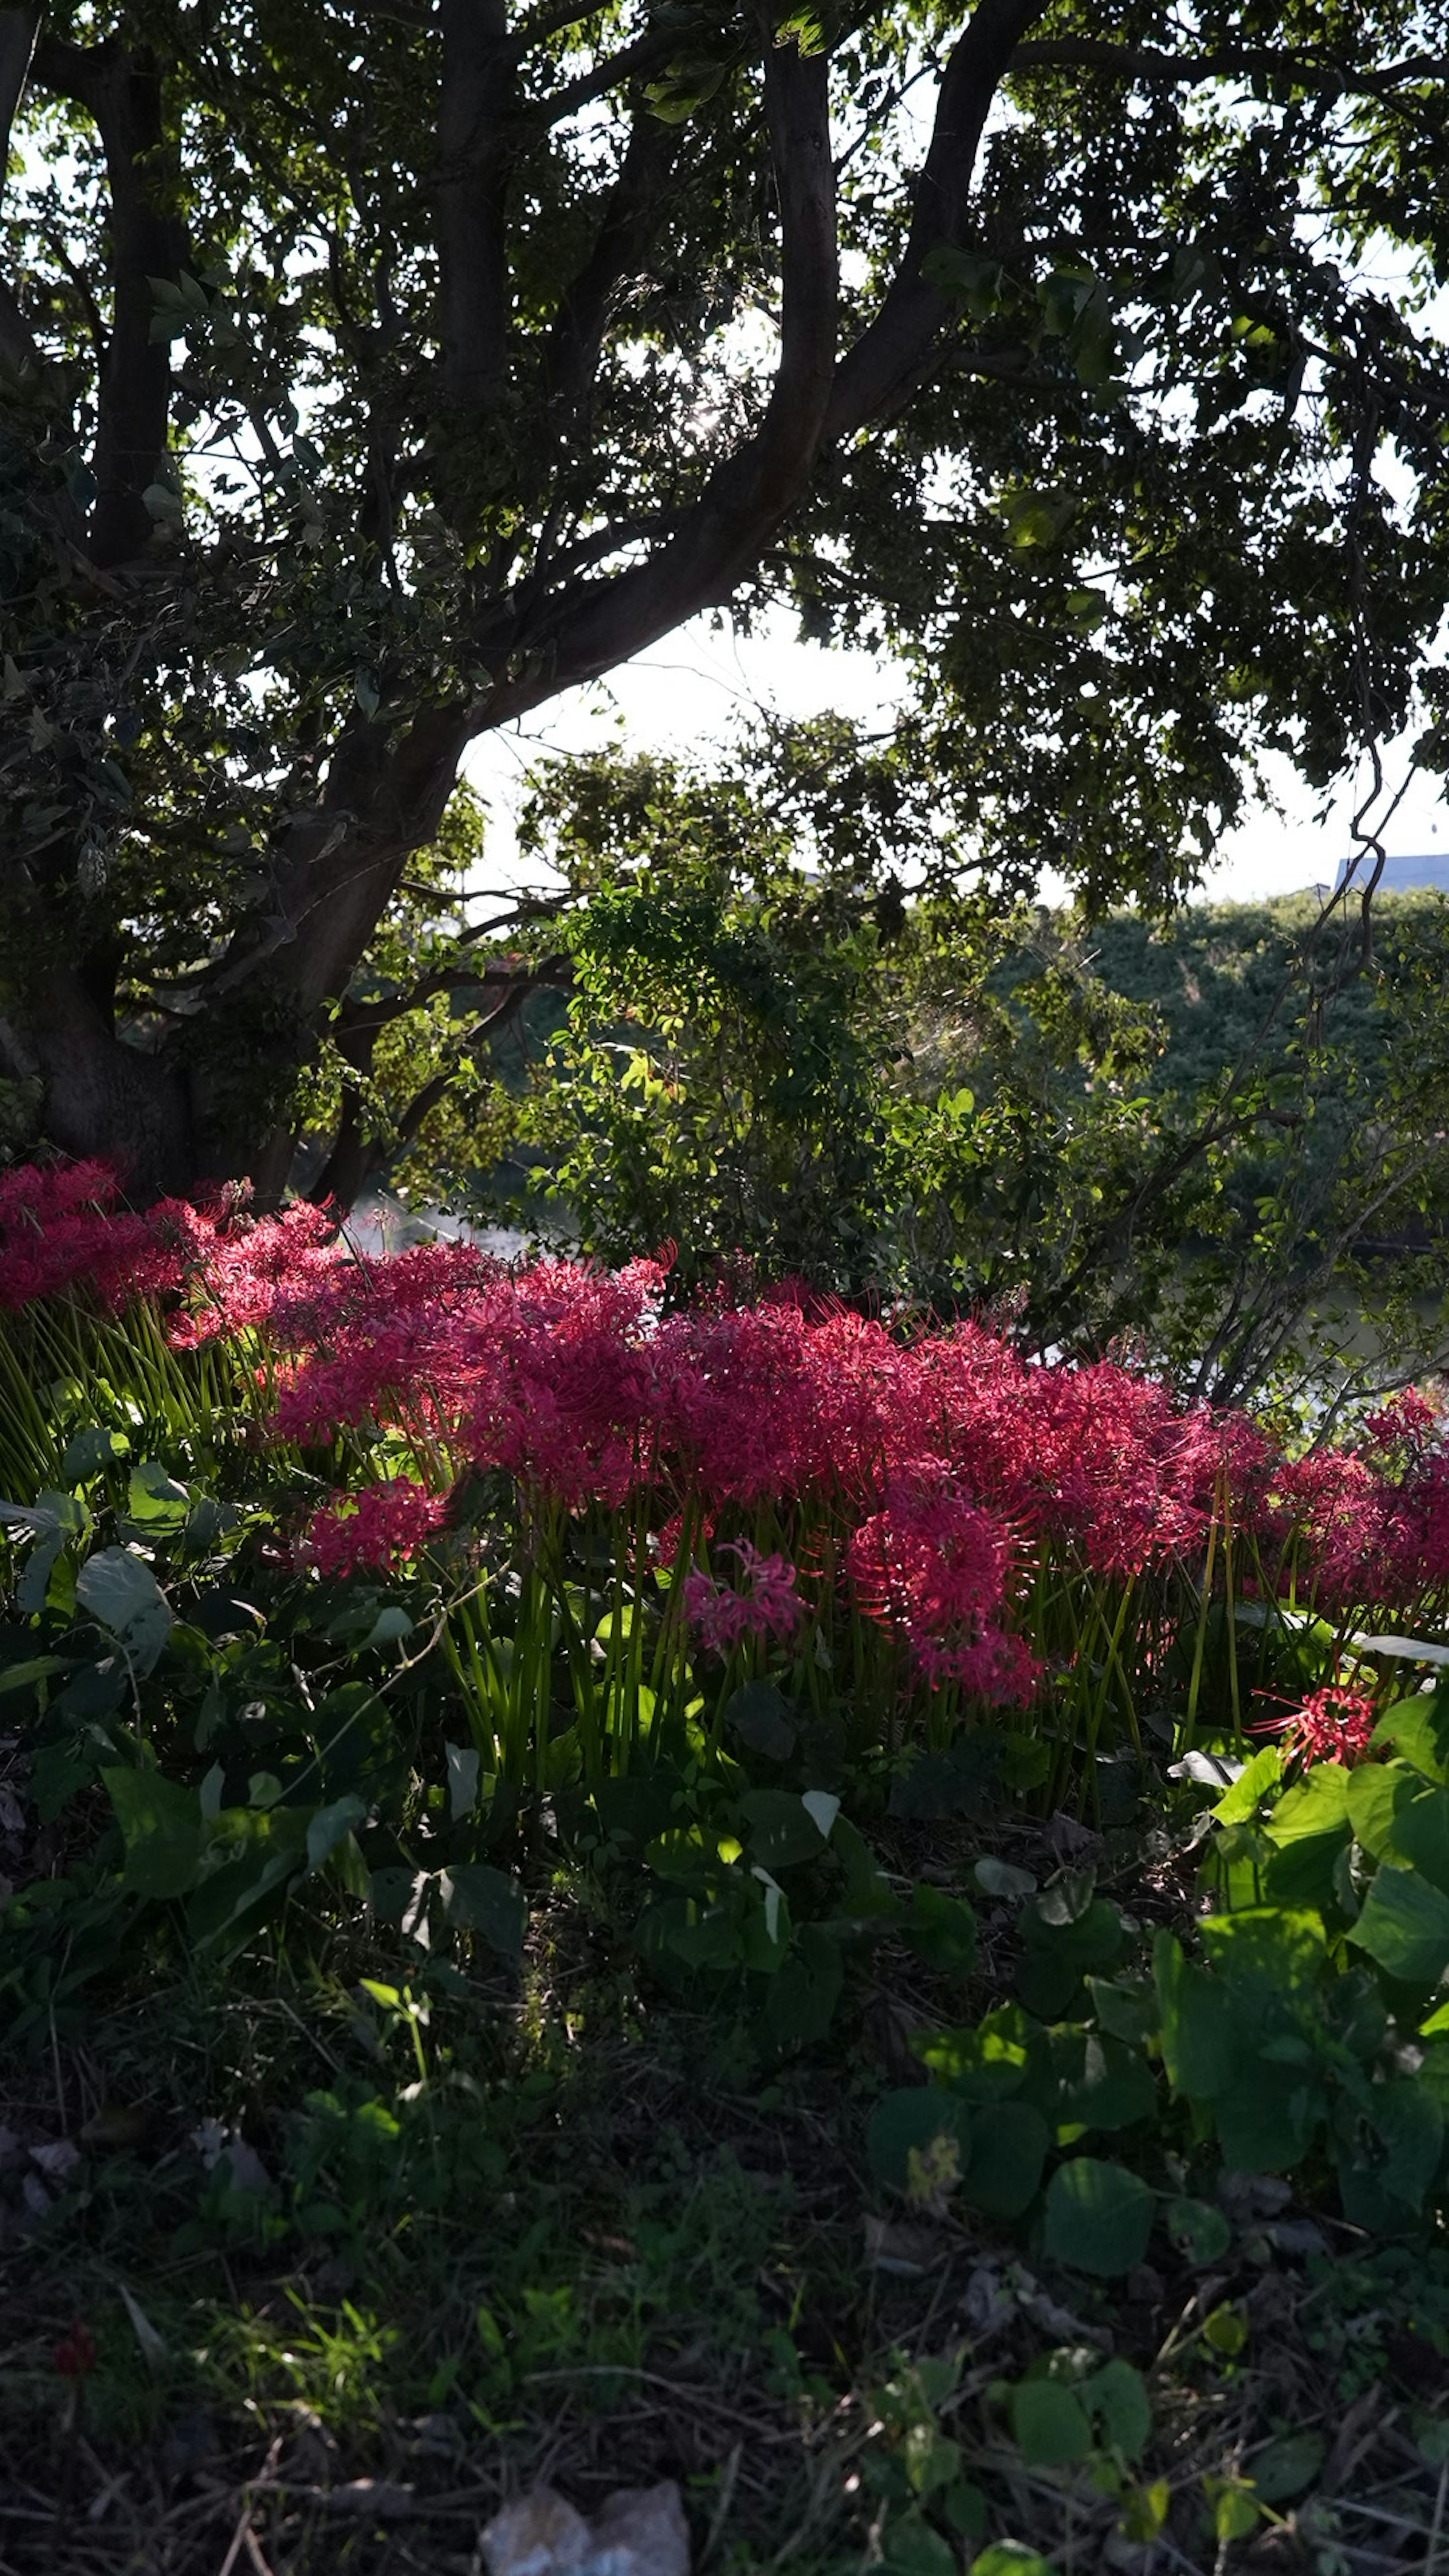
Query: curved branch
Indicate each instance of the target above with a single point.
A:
(586, 631)
(646, 54)
(572, 356)
(904, 334)
(355, 1154)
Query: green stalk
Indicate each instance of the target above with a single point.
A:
(1232, 1626)
(1195, 1684)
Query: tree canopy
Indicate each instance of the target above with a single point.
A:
(374, 371)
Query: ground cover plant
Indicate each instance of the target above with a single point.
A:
(733, 1890)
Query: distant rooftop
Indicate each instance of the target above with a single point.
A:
(1403, 876)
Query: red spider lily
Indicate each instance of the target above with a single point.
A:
(1408, 1421)
(721, 1616)
(75, 2355)
(1332, 1725)
(936, 1566)
(377, 1527)
(931, 1472)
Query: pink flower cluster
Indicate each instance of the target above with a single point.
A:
(373, 1529)
(720, 1616)
(927, 1477)
(935, 1567)
(62, 1228)
(59, 1225)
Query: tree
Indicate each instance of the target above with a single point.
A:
(791, 1037)
(375, 370)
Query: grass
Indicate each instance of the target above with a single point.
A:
(550, 2224)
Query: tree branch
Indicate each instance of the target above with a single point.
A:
(1222, 62)
(479, 66)
(363, 1021)
(546, 22)
(646, 54)
(18, 31)
(355, 1154)
(576, 339)
(122, 92)
(587, 630)
(914, 313)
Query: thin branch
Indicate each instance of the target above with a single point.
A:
(355, 1153)
(1224, 62)
(359, 1023)
(18, 31)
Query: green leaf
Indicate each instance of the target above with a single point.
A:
(328, 1826)
(965, 2508)
(1376, 1792)
(911, 2122)
(1317, 1804)
(1010, 2558)
(1116, 2398)
(1198, 2230)
(462, 1761)
(1065, 1938)
(1265, 1952)
(781, 1831)
(1226, 2330)
(1391, 2139)
(161, 1826)
(1048, 2425)
(1283, 2469)
(235, 1898)
(1008, 2150)
(1418, 1730)
(1419, 1839)
(1197, 2031)
(1098, 2217)
(976, 282)
(477, 1898)
(912, 2548)
(822, 1807)
(941, 1929)
(1234, 2508)
(1404, 1925)
(153, 1495)
(686, 85)
(801, 2003)
(38, 1668)
(1092, 2082)
(124, 1595)
(986, 2064)
(761, 1718)
(1127, 2010)
(391, 1625)
(1238, 1804)
(88, 1451)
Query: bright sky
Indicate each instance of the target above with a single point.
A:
(682, 696)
